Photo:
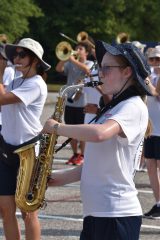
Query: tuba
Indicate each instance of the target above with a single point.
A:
(35, 170)
(83, 37)
(64, 51)
(122, 37)
(3, 38)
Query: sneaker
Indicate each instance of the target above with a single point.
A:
(153, 213)
(78, 160)
(72, 159)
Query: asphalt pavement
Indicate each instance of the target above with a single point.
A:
(62, 218)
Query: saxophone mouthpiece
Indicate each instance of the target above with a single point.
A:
(93, 84)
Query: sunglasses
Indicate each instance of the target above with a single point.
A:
(21, 54)
(105, 69)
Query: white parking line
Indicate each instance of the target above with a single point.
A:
(61, 218)
(150, 226)
(144, 191)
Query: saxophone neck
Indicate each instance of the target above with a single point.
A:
(65, 89)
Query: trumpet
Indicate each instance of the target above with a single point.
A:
(64, 51)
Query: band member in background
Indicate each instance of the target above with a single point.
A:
(22, 103)
(152, 143)
(75, 68)
(113, 147)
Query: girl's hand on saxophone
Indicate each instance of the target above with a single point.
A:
(51, 126)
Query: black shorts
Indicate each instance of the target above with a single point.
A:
(105, 228)
(9, 165)
(74, 115)
(8, 178)
(152, 147)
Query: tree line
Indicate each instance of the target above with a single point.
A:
(44, 20)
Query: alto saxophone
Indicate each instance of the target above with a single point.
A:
(35, 170)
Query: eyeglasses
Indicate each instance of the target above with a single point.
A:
(105, 69)
(157, 59)
(21, 54)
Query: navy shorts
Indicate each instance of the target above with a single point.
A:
(74, 115)
(105, 228)
(152, 147)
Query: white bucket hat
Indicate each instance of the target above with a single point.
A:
(139, 45)
(155, 52)
(30, 44)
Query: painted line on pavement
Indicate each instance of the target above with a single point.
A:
(144, 191)
(61, 218)
(151, 226)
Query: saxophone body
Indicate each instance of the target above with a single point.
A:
(34, 171)
(35, 168)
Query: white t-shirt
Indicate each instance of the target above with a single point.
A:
(107, 185)
(8, 76)
(153, 104)
(21, 121)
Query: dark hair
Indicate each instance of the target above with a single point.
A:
(85, 45)
(40, 70)
(39, 67)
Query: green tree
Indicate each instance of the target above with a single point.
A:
(100, 19)
(14, 16)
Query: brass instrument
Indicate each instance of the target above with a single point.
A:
(75, 96)
(35, 170)
(122, 37)
(3, 38)
(83, 37)
(70, 39)
(64, 51)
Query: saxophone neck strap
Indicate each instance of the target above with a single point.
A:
(33, 140)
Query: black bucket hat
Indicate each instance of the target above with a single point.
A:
(134, 56)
